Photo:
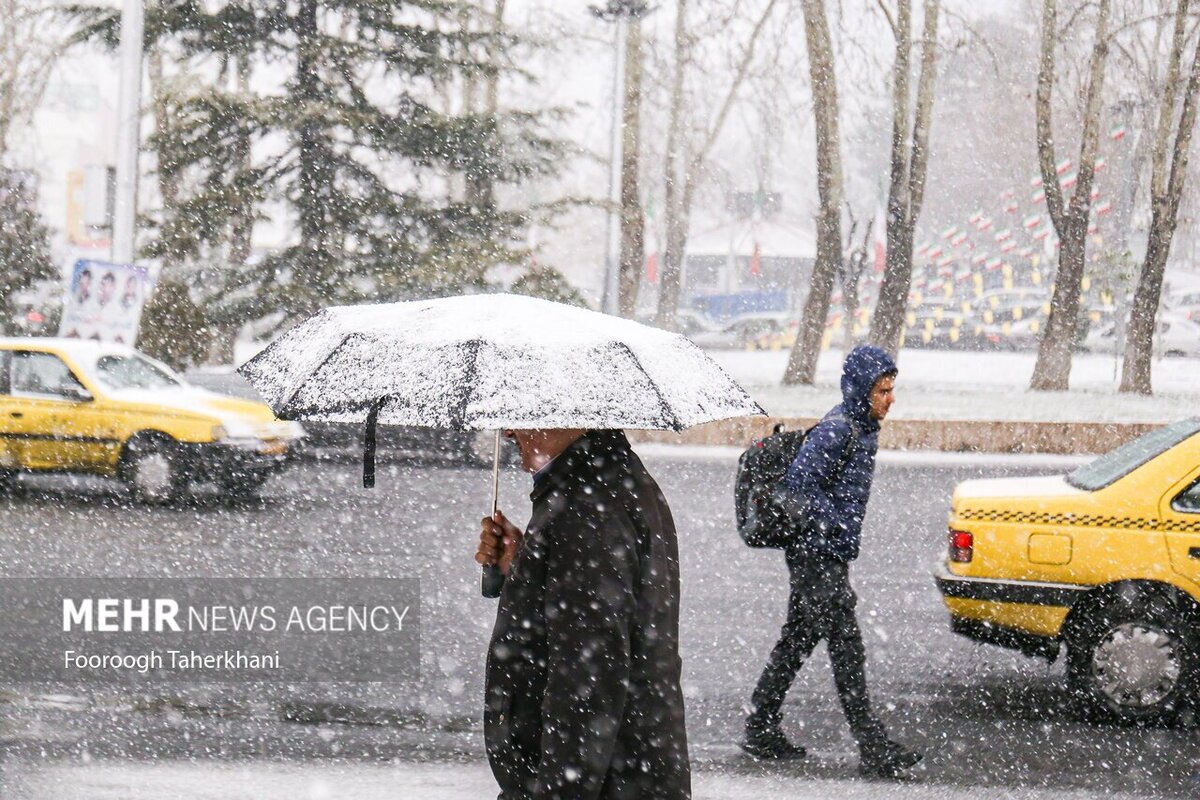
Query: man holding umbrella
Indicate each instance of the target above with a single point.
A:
(583, 697)
(582, 688)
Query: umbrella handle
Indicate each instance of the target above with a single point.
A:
(493, 579)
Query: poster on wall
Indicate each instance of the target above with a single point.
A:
(104, 301)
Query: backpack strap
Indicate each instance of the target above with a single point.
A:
(851, 446)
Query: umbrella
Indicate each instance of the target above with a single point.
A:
(489, 362)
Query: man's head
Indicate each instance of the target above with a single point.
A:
(883, 394)
(868, 382)
(539, 447)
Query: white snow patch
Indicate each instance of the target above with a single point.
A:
(966, 385)
(710, 453)
(428, 781)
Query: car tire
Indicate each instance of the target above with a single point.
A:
(152, 469)
(8, 478)
(242, 485)
(1132, 660)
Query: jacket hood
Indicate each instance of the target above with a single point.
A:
(865, 365)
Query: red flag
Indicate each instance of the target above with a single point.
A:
(756, 261)
(652, 268)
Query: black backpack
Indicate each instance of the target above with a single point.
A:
(760, 521)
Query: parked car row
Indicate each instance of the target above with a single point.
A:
(76, 406)
(1176, 334)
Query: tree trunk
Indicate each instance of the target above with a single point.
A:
(853, 274)
(632, 218)
(670, 281)
(1165, 194)
(1052, 372)
(480, 186)
(802, 362)
(1139, 341)
(314, 159)
(909, 161)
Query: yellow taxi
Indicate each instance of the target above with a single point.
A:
(1104, 560)
(82, 406)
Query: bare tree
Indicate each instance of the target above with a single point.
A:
(1166, 190)
(1052, 371)
(850, 273)
(686, 155)
(909, 162)
(30, 44)
(632, 254)
(802, 361)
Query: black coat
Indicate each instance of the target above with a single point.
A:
(582, 696)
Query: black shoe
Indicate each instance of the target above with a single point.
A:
(886, 760)
(771, 744)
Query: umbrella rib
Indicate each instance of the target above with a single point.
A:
(459, 412)
(285, 408)
(668, 414)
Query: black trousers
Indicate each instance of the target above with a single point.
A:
(821, 606)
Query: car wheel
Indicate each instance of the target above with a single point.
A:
(152, 470)
(8, 477)
(242, 484)
(1131, 661)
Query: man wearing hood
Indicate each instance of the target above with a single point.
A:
(827, 487)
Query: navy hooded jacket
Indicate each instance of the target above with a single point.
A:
(831, 476)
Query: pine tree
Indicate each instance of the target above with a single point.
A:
(353, 148)
(24, 244)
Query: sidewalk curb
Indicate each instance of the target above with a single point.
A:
(954, 436)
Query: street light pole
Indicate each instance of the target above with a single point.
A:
(128, 119)
(620, 12)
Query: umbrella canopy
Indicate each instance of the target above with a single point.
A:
(487, 362)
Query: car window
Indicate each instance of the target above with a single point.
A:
(1118, 463)
(41, 373)
(5, 360)
(1188, 500)
(133, 372)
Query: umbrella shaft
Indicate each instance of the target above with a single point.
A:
(496, 475)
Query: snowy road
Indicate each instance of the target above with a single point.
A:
(984, 716)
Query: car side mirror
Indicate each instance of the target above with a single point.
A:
(77, 394)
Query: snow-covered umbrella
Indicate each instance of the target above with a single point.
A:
(490, 362)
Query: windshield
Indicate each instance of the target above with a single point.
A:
(133, 372)
(1128, 457)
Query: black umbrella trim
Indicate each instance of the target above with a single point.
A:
(369, 444)
(668, 415)
(458, 414)
(288, 409)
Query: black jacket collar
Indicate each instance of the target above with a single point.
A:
(572, 464)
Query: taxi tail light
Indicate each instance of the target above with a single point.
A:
(962, 546)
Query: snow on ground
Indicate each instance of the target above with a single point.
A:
(407, 781)
(967, 385)
(705, 452)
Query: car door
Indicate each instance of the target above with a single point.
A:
(1180, 510)
(12, 419)
(59, 427)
